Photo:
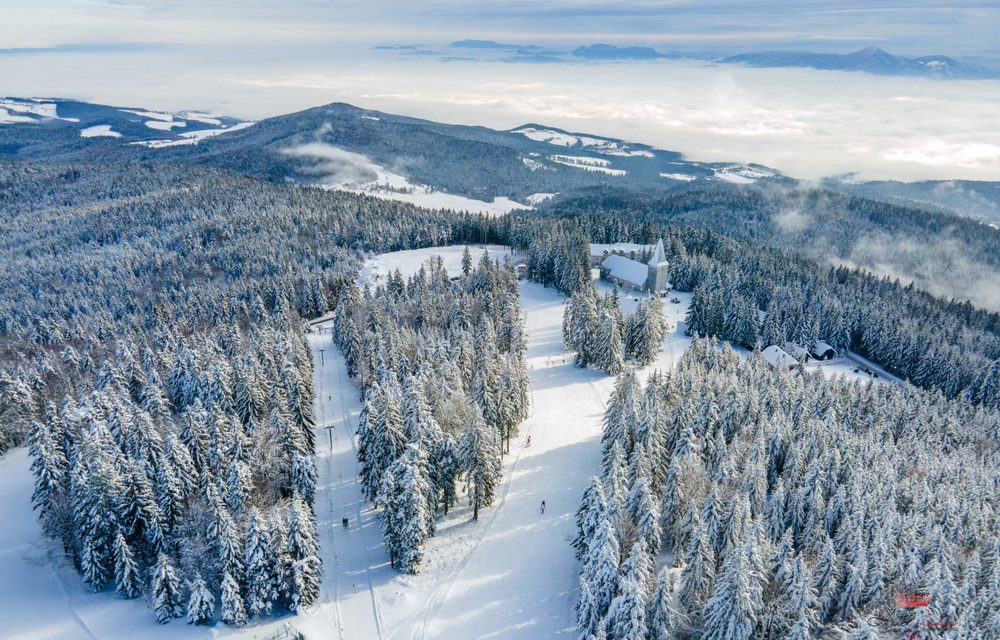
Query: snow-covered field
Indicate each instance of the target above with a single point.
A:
(99, 130)
(678, 176)
(743, 174)
(190, 137)
(356, 173)
(600, 145)
(16, 110)
(409, 262)
(587, 164)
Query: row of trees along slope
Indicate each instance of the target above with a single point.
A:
(440, 365)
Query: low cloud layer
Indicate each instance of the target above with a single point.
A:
(942, 267)
(334, 167)
(806, 123)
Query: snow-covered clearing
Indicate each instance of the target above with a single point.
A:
(15, 110)
(161, 125)
(684, 177)
(193, 137)
(587, 164)
(99, 130)
(356, 173)
(440, 200)
(600, 145)
(742, 174)
(538, 198)
(409, 262)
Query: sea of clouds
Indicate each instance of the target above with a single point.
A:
(806, 123)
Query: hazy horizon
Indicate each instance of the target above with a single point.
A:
(253, 60)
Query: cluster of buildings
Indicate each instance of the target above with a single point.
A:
(623, 264)
(794, 355)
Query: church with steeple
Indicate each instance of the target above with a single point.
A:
(620, 267)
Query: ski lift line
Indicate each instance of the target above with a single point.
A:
(376, 610)
(338, 613)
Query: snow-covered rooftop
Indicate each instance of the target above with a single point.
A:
(597, 249)
(659, 255)
(626, 269)
(778, 358)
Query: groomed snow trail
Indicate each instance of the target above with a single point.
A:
(354, 560)
(520, 579)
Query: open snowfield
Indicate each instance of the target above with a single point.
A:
(99, 130)
(409, 262)
(357, 173)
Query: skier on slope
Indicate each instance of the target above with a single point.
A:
(542, 509)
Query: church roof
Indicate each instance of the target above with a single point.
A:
(626, 269)
(659, 256)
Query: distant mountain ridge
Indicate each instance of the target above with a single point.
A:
(477, 162)
(869, 60)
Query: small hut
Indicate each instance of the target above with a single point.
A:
(778, 358)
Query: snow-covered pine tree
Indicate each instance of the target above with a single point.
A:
(599, 575)
(201, 602)
(260, 588)
(588, 516)
(406, 512)
(127, 581)
(233, 612)
(166, 591)
(480, 455)
(660, 613)
(608, 344)
(626, 617)
(698, 573)
(732, 612)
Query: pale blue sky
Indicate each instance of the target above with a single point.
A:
(967, 27)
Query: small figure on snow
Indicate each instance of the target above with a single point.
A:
(527, 442)
(344, 522)
(542, 509)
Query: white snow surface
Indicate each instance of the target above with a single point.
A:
(13, 111)
(99, 130)
(587, 163)
(193, 137)
(537, 198)
(377, 269)
(354, 172)
(600, 145)
(742, 174)
(161, 125)
(678, 176)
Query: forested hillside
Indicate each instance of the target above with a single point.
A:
(753, 295)
(790, 508)
(153, 360)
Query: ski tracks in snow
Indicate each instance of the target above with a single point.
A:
(348, 552)
(441, 592)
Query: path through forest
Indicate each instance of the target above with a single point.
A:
(354, 560)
